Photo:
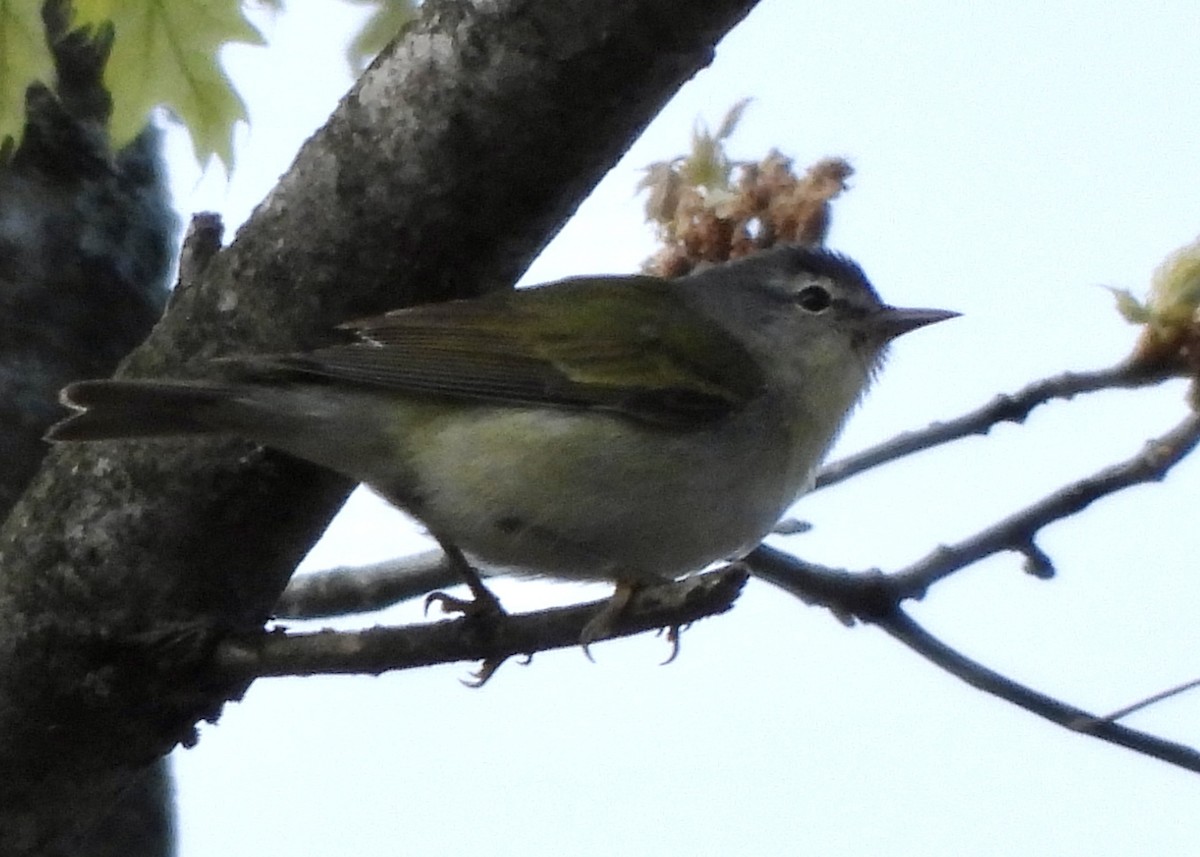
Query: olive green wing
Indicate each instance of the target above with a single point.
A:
(624, 344)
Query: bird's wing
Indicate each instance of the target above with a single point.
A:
(625, 344)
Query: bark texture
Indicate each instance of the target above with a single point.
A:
(86, 241)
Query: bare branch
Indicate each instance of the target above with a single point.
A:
(1017, 532)
(849, 595)
(871, 594)
(378, 650)
(1011, 407)
(362, 589)
(902, 627)
(876, 598)
(1122, 713)
(871, 598)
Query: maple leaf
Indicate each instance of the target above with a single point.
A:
(165, 53)
(388, 19)
(24, 58)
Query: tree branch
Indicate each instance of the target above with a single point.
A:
(1154, 699)
(1008, 407)
(876, 597)
(871, 597)
(900, 626)
(380, 649)
(365, 588)
(869, 594)
(1017, 532)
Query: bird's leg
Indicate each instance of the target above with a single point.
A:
(601, 625)
(483, 603)
(483, 607)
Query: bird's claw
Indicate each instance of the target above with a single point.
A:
(486, 670)
(468, 607)
(673, 634)
(602, 625)
(447, 603)
(591, 634)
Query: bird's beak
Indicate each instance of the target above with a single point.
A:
(891, 321)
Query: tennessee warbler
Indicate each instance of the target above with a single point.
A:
(628, 429)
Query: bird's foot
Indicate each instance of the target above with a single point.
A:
(604, 623)
(483, 609)
(483, 604)
(483, 613)
(601, 626)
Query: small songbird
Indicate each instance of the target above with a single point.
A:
(628, 429)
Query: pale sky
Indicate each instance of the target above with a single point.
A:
(1011, 159)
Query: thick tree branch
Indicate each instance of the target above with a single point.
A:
(454, 159)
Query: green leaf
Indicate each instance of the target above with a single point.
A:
(165, 53)
(388, 19)
(1130, 308)
(24, 58)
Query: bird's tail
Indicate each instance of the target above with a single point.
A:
(116, 409)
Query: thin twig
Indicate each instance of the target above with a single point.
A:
(901, 626)
(870, 594)
(377, 650)
(876, 598)
(1009, 407)
(1017, 532)
(1122, 713)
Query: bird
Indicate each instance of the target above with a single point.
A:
(629, 429)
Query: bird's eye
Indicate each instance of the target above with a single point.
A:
(814, 298)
